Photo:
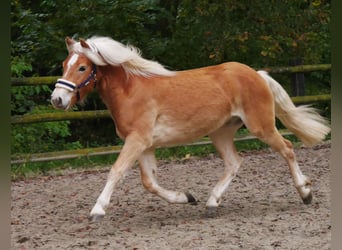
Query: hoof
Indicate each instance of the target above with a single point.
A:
(307, 200)
(95, 218)
(211, 212)
(191, 199)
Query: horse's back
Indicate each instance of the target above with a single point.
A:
(226, 87)
(196, 102)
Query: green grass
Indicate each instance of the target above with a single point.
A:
(35, 169)
(30, 170)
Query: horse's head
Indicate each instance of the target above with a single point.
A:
(79, 78)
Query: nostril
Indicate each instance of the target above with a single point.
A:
(57, 101)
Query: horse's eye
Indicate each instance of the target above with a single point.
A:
(82, 68)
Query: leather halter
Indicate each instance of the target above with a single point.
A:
(71, 86)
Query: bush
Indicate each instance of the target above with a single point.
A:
(41, 137)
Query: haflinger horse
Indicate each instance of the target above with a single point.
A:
(154, 107)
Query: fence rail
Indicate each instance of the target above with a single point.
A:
(76, 115)
(87, 152)
(299, 68)
(50, 80)
(60, 116)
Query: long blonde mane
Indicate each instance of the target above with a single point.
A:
(106, 51)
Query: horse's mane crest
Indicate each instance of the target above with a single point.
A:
(106, 51)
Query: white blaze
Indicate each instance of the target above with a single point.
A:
(61, 97)
(71, 62)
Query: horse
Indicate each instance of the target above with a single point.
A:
(153, 106)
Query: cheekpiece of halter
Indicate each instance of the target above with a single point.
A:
(71, 86)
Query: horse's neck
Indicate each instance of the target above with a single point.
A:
(109, 78)
(112, 85)
(114, 89)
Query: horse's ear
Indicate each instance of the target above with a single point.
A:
(84, 44)
(69, 43)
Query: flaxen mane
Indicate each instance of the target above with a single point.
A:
(106, 51)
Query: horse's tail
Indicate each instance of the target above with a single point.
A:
(304, 121)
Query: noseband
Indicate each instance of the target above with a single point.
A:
(68, 85)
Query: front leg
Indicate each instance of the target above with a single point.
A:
(132, 149)
(148, 168)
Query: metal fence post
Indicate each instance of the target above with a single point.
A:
(298, 85)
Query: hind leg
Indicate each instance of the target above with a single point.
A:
(285, 148)
(223, 141)
(266, 131)
(302, 182)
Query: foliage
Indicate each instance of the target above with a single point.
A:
(35, 138)
(41, 137)
(180, 34)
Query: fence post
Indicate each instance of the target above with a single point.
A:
(298, 86)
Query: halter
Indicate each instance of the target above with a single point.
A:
(68, 85)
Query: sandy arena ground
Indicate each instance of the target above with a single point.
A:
(261, 209)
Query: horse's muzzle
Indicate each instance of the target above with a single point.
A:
(57, 102)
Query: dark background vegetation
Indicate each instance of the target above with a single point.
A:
(181, 34)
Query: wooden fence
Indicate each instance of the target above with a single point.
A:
(59, 116)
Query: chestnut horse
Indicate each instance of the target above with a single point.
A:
(152, 107)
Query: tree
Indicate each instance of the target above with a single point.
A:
(180, 34)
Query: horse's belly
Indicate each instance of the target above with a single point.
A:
(169, 132)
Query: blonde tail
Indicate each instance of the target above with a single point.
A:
(304, 121)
